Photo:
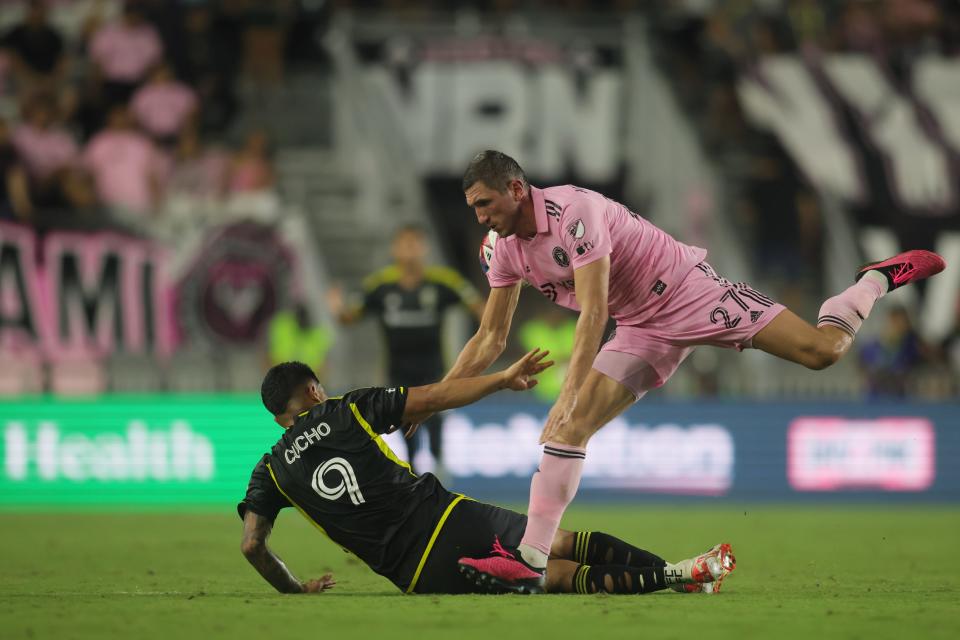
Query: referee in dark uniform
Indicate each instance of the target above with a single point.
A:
(333, 467)
(409, 299)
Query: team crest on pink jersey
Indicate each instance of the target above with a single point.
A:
(561, 257)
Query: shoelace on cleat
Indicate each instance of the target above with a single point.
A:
(499, 550)
(901, 272)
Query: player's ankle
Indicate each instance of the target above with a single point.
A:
(532, 557)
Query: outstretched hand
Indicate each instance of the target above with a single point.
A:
(519, 376)
(319, 585)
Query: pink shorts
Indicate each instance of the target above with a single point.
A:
(705, 309)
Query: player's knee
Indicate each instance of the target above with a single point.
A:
(574, 433)
(250, 547)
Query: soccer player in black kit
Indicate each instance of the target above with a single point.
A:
(333, 467)
(409, 299)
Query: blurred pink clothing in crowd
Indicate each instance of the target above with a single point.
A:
(125, 52)
(44, 151)
(126, 166)
(162, 109)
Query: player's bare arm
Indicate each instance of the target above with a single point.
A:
(256, 530)
(591, 283)
(450, 394)
(489, 341)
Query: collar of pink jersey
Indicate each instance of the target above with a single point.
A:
(539, 209)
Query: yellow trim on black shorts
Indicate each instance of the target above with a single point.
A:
(580, 546)
(433, 538)
(580, 579)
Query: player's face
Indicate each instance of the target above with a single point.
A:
(409, 247)
(496, 210)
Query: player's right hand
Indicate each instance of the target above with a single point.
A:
(519, 376)
(319, 585)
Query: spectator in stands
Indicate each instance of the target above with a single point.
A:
(251, 169)
(211, 55)
(198, 171)
(265, 26)
(889, 359)
(46, 147)
(123, 53)
(807, 22)
(127, 167)
(15, 201)
(164, 107)
(36, 50)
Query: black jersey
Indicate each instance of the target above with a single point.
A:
(411, 318)
(333, 466)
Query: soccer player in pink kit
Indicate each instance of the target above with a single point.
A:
(591, 254)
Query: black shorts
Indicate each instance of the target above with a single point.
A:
(468, 532)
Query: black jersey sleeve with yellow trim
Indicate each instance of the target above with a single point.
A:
(263, 497)
(454, 288)
(382, 408)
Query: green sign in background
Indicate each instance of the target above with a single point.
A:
(131, 450)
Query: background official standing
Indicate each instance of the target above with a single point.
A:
(409, 298)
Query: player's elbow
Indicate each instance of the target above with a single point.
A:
(594, 314)
(492, 342)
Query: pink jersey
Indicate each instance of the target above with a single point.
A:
(125, 53)
(576, 227)
(123, 164)
(163, 108)
(44, 151)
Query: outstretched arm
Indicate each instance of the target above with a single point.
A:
(256, 530)
(489, 341)
(450, 394)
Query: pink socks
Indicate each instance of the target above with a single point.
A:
(551, 490)
(849, 309)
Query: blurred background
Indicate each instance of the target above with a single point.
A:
(194, 190)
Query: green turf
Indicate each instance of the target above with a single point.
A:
(802, 573)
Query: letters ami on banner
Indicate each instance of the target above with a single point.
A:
(98, 291)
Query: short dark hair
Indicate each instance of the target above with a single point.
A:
(494, 169)
(281, 382)
(410, 227)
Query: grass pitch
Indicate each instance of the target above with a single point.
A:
(813, 572)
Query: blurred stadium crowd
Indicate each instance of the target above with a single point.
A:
(148, 118)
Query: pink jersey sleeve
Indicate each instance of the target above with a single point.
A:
(586, 236)
(502, 272)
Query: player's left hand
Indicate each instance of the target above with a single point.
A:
(559, 416)
(520, 375)
(319, 585)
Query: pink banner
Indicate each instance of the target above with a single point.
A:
(890, 454)
(77, 293)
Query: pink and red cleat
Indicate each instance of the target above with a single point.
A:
(502, 572)
(906, 267)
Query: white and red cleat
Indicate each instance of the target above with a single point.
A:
(906, 267)
(709, 570)
(502, 572)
